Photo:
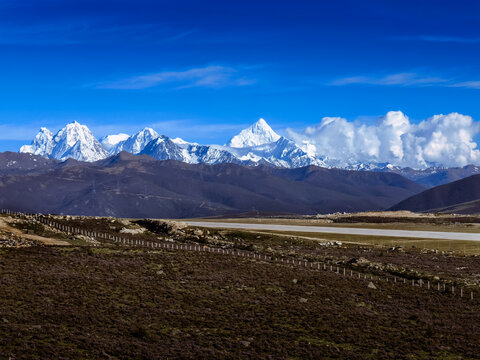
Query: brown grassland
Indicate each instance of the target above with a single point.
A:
(120, 302)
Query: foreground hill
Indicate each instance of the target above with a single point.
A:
(459, 196)
(126, 185)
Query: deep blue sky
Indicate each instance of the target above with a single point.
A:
(203, 70)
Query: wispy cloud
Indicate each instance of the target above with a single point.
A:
(467, 84)
(76, 32)
(209, 76)
(401, 79)
(405, 79)
(439, 38)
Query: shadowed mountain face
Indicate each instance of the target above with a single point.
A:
(126, 185)
(432, 177)
(460, 196)
(17, 163)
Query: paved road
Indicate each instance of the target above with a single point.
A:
(340, 230)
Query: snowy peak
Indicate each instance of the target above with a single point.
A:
(41, 145)
(137, 142)
(258, 134)
(77, 142)
(72, 133)
(74, 141)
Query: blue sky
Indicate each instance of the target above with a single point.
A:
(203, 70)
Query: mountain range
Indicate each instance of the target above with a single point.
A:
(460, 197)
(257, 145)
(126, 185)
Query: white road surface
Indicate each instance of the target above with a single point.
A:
(340, 230)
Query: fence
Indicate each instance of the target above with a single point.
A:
(439, 286)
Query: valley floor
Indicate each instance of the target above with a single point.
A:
(107, 300)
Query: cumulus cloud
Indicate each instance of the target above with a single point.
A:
(442, 140)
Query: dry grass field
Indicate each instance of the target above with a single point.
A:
(104, 300)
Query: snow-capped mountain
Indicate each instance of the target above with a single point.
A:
(210, 154)
(282, 153)
(136, 143)
(182, 143)
(74, 141)
(110, 141)
(258, 144)
(258, 134)
(162, 148)
(41, 145)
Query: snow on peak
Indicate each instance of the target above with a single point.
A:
(180, 141)
(41, 145)
(110, 141)
(258, 134)
(137, 142)
(74, 141)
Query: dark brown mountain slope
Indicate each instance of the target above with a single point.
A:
(18, 163)
(444, 196)
(140, 186)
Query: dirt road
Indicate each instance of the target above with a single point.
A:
(339, 230)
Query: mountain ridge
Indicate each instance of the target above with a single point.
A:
(253, 146)
(445, 196)
(127, 185)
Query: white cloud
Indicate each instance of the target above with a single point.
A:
(403, 79)
(442, 140)
(209, 76)
(467, 84)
